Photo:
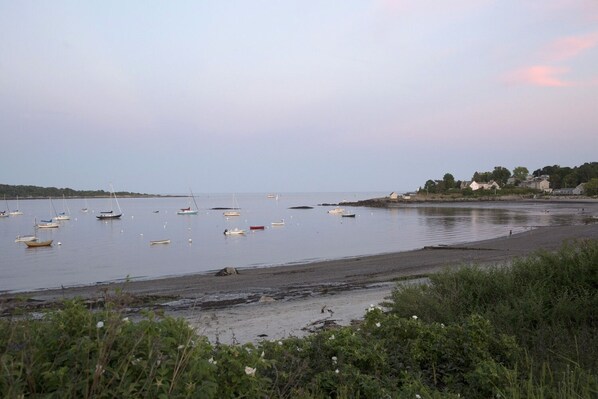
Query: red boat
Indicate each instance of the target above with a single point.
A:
(256, 227)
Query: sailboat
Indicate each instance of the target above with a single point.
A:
(63, 215)
(86, 208)
(233, 211)
(4, 214)
(16, 212)
(104, 215)
(188, 210)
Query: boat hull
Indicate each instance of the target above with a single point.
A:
(49, 225)
(187, 212)
(156, 242)
(257, 227)
(35, 244)
(108, 216)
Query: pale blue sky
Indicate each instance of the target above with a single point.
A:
(279, 96)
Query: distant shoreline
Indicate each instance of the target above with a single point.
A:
(386, 202)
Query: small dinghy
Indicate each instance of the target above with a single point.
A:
(35, 244)
(156, 242)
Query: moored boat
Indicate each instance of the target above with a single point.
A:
(108, 215)
(257, 227)
(35, 244)
(188, 210)
(348, 215)
(233, 232)
(336, 211)
(155, 242)
(45, 224)
(278, 224)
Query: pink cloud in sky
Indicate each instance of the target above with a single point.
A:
(568, 47)
(540, 75)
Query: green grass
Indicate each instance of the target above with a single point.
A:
(528, 331)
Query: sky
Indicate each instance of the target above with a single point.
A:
(292, 96)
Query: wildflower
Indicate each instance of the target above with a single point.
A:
(250, 371)
(263, 354)
(442, 325)
(336, 371)
(126, 320)
(414, 317)
(334, 359)
(135, 361)
(180, 347)
(331, 337)
(100, 324)
(279, 342)
(417, 396)
(212, 361)
(378, 324)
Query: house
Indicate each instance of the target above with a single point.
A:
(393, 196)
(570, 191)
(537, 183)
(491, 185)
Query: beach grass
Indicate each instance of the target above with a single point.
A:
(524, 331)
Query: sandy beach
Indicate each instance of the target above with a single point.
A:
(293, 300)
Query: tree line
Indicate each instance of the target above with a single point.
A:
(11, 192)
(559, 177)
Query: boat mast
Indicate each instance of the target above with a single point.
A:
(193, 196)
(113, 193)
(53, 207)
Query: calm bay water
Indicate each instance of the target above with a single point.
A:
(94, 251)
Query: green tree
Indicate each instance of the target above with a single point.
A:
(520, 173)
(591, 187)
(449, 181)
(500, 175)
(430, 186)
(481, 177)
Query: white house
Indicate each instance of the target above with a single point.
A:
(491, 185)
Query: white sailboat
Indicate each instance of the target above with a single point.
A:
(233, 211)
(64, 215)
(188, 210)
(105, 215)
(16, 212)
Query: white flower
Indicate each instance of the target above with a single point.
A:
(331, 337)
(263, 354)
(180, 347)
(100, 324)
(417, 396)
(126, 320)
(378, 324)
(279, 342)
(336, 371)
(414, 317)
(442, 325)
(250, 371)
(334, 359)
(212, 361)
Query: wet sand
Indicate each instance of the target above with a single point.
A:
(275, 302)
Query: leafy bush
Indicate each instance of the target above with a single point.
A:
(549, 302)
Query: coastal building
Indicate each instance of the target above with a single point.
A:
(537, 183)
(491, 185)
(393, 196)
(570, 190)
